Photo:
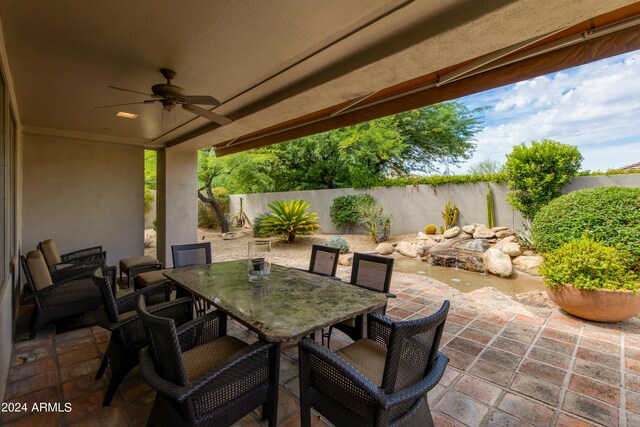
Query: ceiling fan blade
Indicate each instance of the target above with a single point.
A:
(209, 115)
(200, 100)
(128, 103)
(133, 91)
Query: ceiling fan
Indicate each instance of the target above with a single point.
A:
(170, 95)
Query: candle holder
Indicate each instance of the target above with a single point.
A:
(259, 260)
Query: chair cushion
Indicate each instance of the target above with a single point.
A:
(367, 357)
(135, 261)
(38, 270)
(50, 252)
(204, 358)
(150, 278)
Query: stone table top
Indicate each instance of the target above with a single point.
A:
(287, 306)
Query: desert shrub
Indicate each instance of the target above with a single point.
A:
(207, 218)
(430, 229)
(338, 242)
(148, 199)
(290, 219)
(375, 221)
(344, 210)
(538, 172)
(610, 215)
(154, 224)
(258, 230)
(587, 264)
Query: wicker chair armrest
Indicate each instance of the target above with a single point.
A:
(390, 295)
(347, 372)
(151, 377)
(128, 302)
(157, 309)
(69, 281)
(248, 359)
(73, 272)
(379, 329)
(87, 258)
(202, 330)
(421, 387)
(83, 252)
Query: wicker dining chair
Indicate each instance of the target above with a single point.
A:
(381, 380)
(61, 293)
(204, 377)
(55, 260)
(371, 272)
(324, 260)
(127, 334)
(193, 254)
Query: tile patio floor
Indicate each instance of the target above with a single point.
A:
(542, 368)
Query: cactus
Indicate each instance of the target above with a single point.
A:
(441, 230)
(491, 219)
(450, 215)
(430, 229)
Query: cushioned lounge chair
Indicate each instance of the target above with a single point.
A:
(62, 293)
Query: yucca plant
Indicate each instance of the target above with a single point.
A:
(289, 219)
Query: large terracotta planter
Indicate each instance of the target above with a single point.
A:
(601, 305)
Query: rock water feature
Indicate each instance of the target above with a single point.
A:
(473, 247)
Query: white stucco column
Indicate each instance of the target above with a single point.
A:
(177, 200)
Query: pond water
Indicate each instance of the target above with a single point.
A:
(467, 281)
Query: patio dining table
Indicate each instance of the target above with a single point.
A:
(288, 305)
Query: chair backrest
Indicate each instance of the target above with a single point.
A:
(164, 346)
(191, 254)
(372, 272)
(108, 299)
(50, 251)
(36, 271)
(324, 260)
(413, 347)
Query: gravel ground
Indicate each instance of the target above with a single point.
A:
(297, 252)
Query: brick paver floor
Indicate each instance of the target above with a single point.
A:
(509, 366)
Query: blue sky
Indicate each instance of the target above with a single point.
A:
(595, 107)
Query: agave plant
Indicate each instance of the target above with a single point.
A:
(289, 218)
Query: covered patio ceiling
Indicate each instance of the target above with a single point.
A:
(284, 69)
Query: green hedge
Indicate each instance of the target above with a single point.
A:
(610, 215)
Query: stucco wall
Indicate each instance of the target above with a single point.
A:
(83, 194)
(413, 207)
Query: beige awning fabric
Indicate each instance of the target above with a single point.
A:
(601, 37)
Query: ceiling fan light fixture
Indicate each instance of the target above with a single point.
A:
(126, 115)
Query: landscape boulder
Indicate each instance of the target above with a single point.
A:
(509, 239)
(454, 258)
(424, 245)
(345, 260)
(469, 229)
(385, 248)
(473, 245)
(496, 229)
(482, 232)
(505, 233)
(449, 243)
(512, 249)
(528, 264)
(451, 233)
(497, 262)
(407, 249)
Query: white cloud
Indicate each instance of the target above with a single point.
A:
(595, 107)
